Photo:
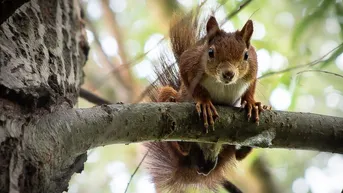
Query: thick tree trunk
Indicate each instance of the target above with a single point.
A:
(42, 52)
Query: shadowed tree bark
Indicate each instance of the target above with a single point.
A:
(42, 52)
(44, 140)
(8, 7)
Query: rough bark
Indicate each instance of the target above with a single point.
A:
(42, 52)
(82, 129)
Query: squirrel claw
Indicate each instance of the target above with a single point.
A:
(212, 127)
(206, 127)
(254, 109)
(198, 108)
(209, 113)
(267, 107)
(249, 116)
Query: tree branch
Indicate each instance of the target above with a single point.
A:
(78, 130)
(90, 97)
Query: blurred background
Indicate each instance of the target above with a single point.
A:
(299, 47)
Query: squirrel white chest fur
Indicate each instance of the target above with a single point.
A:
(225, 94)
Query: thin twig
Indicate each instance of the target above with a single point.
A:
(118, 68)
(322, 71)
(254, 13)
(237, 10)
(135, 59)
(133, 174)
(310, 64)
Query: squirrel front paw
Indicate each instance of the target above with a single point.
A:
(208, 111)
(254, 109)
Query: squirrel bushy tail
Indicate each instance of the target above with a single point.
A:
(186, 31)
(183, 32)
(168, 78)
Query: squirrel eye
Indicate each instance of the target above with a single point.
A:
(211, 53)
(246, 56)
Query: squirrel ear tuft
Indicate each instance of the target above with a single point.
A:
(212, 26)
(246, 32)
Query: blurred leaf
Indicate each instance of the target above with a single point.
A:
(339, 51)
(305, 23)
(285, 79)
(339, 12)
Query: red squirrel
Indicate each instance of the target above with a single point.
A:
(220, 68)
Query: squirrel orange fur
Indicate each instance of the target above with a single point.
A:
(220, 68)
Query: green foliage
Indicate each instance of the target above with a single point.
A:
(307, 22)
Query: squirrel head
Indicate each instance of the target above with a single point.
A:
(203, 157)
(230, 56)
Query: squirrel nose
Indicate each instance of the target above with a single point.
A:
(228, 75)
